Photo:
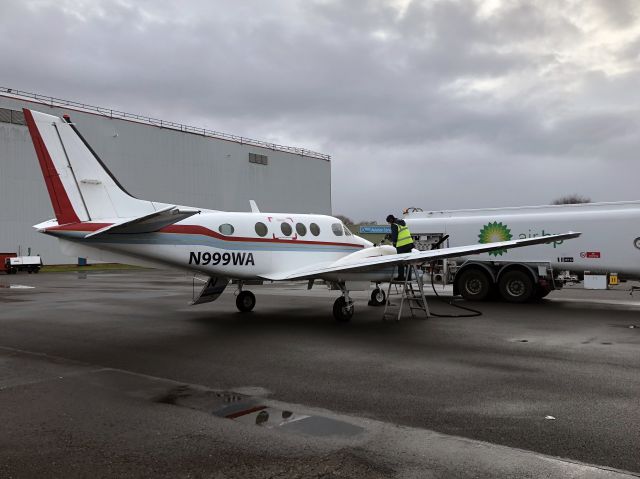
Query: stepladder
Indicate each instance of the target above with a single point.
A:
(409, 292)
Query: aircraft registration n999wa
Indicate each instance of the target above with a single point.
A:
(96, 218)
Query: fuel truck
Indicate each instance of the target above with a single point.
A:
(609, 245)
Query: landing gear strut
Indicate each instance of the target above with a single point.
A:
(246, 300)
(343, 306)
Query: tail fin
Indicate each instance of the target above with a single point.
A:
(80, 186)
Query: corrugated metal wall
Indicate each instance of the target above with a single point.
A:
(156, 164)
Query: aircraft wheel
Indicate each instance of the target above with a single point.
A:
(245, 301)
(378, 297)
(516, 287)
(342, 311)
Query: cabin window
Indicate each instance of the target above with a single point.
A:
(286, 229)
(315, 229)
(226, 229)
(337, 229)
(301, 229)
(261, 229)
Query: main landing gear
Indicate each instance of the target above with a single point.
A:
(343, 307)
(245, 300)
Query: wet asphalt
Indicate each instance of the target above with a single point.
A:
(88, 361)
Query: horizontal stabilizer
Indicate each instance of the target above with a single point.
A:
(147, 223)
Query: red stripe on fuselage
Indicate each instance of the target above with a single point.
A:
(198, 230)
(59, 199)
(201, 230)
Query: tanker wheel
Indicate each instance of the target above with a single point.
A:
(474, 285)
(516, 287)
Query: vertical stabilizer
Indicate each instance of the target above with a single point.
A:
(80, 186)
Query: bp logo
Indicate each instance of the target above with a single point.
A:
(494, 232)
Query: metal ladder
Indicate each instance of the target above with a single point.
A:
(410, 292)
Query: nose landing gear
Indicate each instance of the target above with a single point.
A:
(378, 297)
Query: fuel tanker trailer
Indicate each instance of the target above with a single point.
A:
(609, 245)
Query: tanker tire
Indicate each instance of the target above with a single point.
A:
(474, 285)
(516, 287)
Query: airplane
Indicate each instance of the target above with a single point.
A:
(95, 217)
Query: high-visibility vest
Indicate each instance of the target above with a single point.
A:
(404, 236)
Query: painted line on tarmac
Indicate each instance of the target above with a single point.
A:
(617, 302)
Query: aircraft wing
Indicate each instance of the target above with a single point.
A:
(420, 257)
(147, 223)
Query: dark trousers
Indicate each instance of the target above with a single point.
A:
(403, 249)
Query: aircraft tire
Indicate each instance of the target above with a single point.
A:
(341, 311)
(245, 301)
(378, 297)
(516, 287)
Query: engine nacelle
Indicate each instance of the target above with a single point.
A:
(372, 252)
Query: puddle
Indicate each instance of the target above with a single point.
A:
(253, 410)
(16, 286)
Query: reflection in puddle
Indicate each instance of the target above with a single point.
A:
(252, 410)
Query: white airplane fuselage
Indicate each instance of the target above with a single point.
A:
(235, 244)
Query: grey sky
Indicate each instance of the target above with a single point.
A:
(438, 104)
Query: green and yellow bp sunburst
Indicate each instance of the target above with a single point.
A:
(494, 232)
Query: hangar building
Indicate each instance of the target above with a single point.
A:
(155, 160)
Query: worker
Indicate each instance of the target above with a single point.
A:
(401, 239)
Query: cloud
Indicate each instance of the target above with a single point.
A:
(440, 103)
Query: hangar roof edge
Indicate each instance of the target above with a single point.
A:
(120, 115)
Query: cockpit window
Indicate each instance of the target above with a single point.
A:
(337, 229)
(346, 231)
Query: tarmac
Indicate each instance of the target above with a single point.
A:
(113, 375)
